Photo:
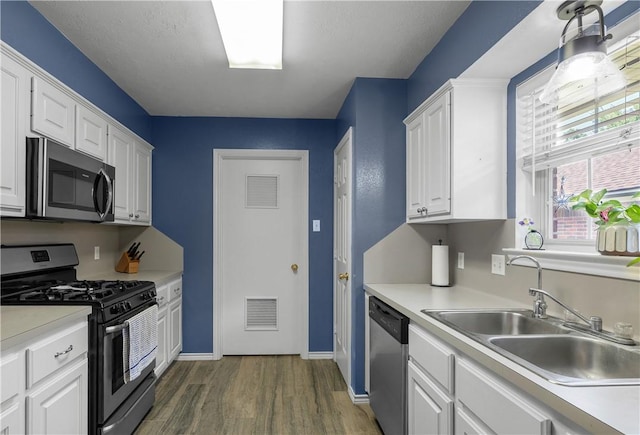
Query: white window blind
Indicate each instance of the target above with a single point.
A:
(582, 124)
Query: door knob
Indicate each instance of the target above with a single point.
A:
(294, 267)
(344, 276)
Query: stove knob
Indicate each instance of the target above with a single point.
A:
(114, 309)
(127, 305)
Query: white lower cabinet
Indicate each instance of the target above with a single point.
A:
(60, 405)
(450, 393)
(430, 409)
(430, 376)
(175, 319)
(12, 419)
(162, 353)
(499, 408)
(169, 297)
(45, 383)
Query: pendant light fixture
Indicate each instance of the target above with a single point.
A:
(582, 55)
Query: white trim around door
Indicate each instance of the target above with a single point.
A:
(219, 156)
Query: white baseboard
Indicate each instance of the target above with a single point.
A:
(195, 357)
(358, 399)
(320, 355)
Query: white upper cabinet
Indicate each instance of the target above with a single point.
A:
(52, 112)
(132, 193)
(15, 107)
(456, 153)
(35, 103)
(142, 183)
(416, 199)
(91, 133)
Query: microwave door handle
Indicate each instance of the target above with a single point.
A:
(109, 182)
(102, 209)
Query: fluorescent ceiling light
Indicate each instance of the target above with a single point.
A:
(251, 32)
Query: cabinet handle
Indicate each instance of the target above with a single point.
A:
(137, 216)
(160, 300)
(176, 290)
(130, 215)
(69, 349)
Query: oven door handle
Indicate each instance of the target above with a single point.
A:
(121, 326)
(116, 328)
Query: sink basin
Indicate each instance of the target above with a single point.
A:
(573, 359)
(497, 322)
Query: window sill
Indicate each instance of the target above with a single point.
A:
(587, 263)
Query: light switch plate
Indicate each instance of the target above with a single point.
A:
(96, 252)
(460, 260)
(497, 264)
(316, 225)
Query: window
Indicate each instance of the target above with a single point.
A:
(587, 141)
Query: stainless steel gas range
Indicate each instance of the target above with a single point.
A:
(46, 275)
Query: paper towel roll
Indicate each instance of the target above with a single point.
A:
(440, 265)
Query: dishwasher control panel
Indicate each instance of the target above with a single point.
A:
(392, 321)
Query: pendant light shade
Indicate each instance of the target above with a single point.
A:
(582, 56)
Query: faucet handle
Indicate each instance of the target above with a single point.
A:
(596, 323)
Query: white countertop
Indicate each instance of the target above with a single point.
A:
(597, 409)
(22, 323)
(158, 276)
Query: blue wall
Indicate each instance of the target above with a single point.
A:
(183, 209)
(375, 108)
(27, 31)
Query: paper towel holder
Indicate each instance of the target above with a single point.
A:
(440, 265)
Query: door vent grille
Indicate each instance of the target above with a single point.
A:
(261, 314)
(262, 191)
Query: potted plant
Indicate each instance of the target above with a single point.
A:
(618, 225)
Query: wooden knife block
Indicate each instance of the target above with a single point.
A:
(127, 265)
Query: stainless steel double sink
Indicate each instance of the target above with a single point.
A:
(547, 347)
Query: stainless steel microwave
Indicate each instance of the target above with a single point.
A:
(63, 184)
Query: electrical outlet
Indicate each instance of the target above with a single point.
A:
(316, 225)
(460, 260)
(96, 252)
(497, 264)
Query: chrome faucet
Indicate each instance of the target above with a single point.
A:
(594, 322)
(539, 305)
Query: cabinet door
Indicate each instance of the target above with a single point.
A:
(415, 168)
(467, 424)
(430, 409)
(438, 156)
(142, 184)
(91, 133)
(162, 353)
(175, 333)
(121, 157)
(60, 406)
(12, 420)
(52, 112)
(15, 110)
(500, 407)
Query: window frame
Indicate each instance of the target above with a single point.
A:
(533, 199)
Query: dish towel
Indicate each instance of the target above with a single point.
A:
(140, 341)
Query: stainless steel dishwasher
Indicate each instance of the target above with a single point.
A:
(389, 351)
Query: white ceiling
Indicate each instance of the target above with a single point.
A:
(169, 57)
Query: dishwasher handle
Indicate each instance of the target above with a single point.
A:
(392, 321)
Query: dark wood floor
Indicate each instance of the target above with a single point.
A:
(256, 395)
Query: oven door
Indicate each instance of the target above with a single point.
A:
(113, 389)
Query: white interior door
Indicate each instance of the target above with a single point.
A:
(262, 260)
(342, 255)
